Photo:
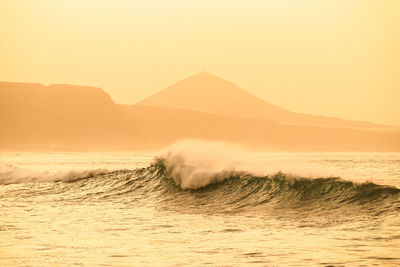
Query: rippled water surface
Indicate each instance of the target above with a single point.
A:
(128, 209)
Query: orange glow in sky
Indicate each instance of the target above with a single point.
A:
(339, 58)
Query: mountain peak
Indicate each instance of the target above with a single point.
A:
(206, 78)
(207, 92)
(204, 74)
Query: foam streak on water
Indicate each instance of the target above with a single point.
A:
(200, 203)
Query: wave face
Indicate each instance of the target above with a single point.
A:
(236, 190)
(216, 177)
(224, 191)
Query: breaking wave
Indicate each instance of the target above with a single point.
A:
(224, 191)
(216, 180)
(244, 185)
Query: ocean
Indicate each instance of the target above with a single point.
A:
(200, 203)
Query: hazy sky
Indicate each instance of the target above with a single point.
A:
(338, 57)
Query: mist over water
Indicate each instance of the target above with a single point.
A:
(200, 203)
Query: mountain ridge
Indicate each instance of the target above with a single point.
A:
(60, 115)
(207, 92)
(65, 117)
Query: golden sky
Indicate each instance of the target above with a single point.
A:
(333, 57)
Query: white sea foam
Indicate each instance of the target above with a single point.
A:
(66, 166)
(195, 163)
(12, 175)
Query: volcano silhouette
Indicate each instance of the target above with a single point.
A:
(66, 117)
(206, 92)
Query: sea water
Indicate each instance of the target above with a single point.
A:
(200, 203)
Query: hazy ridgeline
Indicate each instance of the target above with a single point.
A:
(203, 106)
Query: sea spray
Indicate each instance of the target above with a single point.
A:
(194, 164)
